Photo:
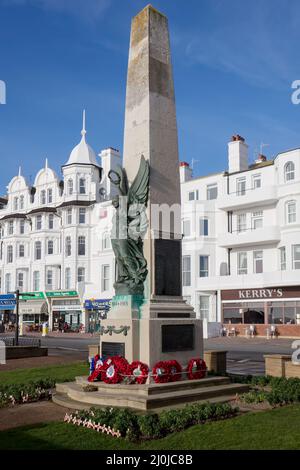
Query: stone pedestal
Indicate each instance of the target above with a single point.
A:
(162, 329)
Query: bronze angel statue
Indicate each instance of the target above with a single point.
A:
(130, 225)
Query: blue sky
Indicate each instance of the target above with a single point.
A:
(234, 62)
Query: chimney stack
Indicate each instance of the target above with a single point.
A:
(261, 158)
(185, 172)
(237, 154)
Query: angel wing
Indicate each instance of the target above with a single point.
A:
(138, 191)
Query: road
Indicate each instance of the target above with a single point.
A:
(244, 356)
(68, 346)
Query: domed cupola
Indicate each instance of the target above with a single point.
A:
(82, 153)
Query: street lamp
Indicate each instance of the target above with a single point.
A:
(17, 294)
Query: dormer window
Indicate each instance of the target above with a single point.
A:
(70, 187)
(82, 189)
(16, 203)
(21, 202)
(43, 197)
(289, 171)
(50, 196)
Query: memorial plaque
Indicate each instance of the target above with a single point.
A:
(113, 349)
(168, 267)
(177, 338)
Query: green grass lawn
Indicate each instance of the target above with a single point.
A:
(275, 429)
(60, 373)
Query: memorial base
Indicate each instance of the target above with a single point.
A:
(163, 328)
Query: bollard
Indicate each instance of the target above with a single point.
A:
(45, 329)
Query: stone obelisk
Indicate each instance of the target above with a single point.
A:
(151, 130)
(164, 326)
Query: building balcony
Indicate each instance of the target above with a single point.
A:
(251, 198)
(260, 236)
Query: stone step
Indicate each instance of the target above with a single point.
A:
(154, 389)
(62, 399)
(62, 387)
(104, 397)
(65, 401)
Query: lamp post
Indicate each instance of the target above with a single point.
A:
(17, 317)
(17, 294)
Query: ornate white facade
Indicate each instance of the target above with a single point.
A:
(241, 244)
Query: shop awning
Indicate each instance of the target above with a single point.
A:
(33, 307)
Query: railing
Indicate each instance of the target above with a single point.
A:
(11, 341)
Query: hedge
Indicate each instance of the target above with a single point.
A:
(128, 424)
(24, 393)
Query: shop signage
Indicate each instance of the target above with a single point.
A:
(260, 293)
(62, 293)
(7, 302)
(32, 295)
(265, 293)
(66, 308)
(97, 304)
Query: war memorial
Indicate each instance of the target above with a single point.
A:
(151, 343)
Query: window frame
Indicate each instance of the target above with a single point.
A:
(294, 261)
(288, 172)
(204, 224)
(239, 191)
(289, 214)
(105, 279)
(186, 271)
(209, 187)
(81, 247)
(257, 260)
(242, 270)
(37, 250)
(201, 271)
(282, 259)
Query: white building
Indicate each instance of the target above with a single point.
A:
(55, 241)
(241, 244)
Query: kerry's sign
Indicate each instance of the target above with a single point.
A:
(260, 293)
(265, 293)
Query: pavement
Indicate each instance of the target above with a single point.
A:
(30, 413)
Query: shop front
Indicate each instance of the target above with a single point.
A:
(96, 310)
(66, 311)
(262, 307)
(33, 311)
(7, 312)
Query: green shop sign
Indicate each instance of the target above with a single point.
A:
(32, 295)
(62, 293)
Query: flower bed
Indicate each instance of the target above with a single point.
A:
(276, 391)
(25, 393)
(125, 423)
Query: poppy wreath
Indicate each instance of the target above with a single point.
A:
(175, 370)
(114, 369)
(196, 369)
(95, 375)
(138, 372)
(161, 372)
